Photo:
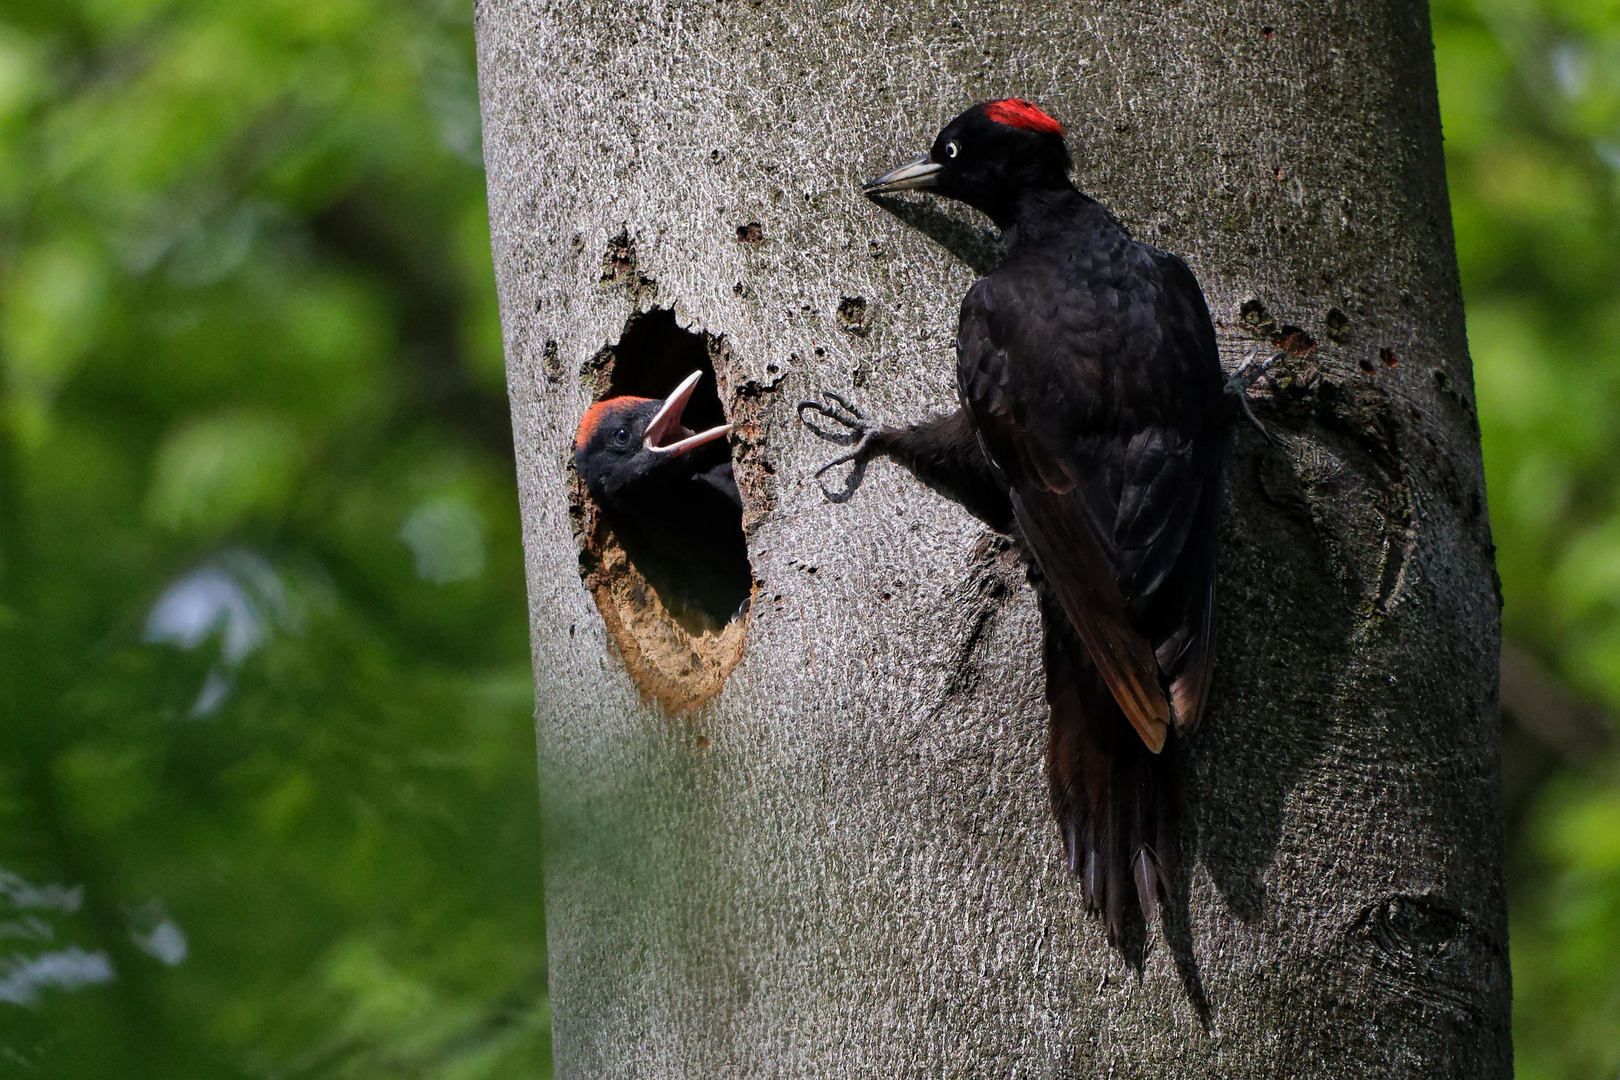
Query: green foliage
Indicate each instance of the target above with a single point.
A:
(1530, 97)
(267, 783)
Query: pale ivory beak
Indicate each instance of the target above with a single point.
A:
(668, 418)
(917, 175)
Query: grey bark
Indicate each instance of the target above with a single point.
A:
(844, 865)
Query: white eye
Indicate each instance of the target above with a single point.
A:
(951, 149)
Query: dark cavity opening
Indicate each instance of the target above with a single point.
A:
(684, 532)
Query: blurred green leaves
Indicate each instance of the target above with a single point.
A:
(263, 657)
(1530, 97)
(1565, 949)
(53, 302)
(216, 473)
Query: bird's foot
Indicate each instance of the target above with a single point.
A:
(1249, 372)
(857, 433)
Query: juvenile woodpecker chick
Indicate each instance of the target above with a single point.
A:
(668, 492)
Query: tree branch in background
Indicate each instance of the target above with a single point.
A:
(359, 229)
(1545, 729)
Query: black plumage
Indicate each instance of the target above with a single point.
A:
(1093, 424)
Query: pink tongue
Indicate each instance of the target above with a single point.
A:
(675, 434)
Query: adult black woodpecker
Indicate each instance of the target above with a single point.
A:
(1093, 427)
(669, 493)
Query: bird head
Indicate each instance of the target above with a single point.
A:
(625, 441)
(987, 157)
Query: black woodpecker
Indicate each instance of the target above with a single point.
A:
(1093, 428)
(669, 493)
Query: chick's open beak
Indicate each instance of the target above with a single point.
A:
(667, 422)
(915, 175)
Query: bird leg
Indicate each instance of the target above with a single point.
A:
(1249, 372)
(858, 433)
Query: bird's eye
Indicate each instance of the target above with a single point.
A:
(951, 149)
(621, 437)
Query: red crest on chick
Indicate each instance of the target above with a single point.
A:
(598, 414)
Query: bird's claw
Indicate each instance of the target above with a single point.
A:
(1252, 369)
(852, 481)
(1249, 372)
(842, 413)
(857, 435)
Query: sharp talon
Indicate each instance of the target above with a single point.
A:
(851, 482)
(1251, 370)
(1248, 414)
(857, 435)
(1246, 375)
(845, 415)
(846, 406)
(843, 438)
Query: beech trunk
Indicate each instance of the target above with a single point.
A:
(815, 840)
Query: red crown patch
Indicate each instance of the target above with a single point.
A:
(1018, 113)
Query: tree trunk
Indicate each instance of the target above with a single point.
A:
(815, 841)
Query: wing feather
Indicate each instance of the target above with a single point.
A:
(1106, 504)
(1084, 584)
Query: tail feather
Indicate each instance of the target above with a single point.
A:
(1147, 886)
(1092, 885)
(1110, 794)
(1165, 844)
(1115, 839)
(1144, 837)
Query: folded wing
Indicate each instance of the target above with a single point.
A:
(1118, 504)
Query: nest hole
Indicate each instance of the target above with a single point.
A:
(674, 593)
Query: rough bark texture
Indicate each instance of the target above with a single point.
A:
(844, 865)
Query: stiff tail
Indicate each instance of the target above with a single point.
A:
(1111, 796)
